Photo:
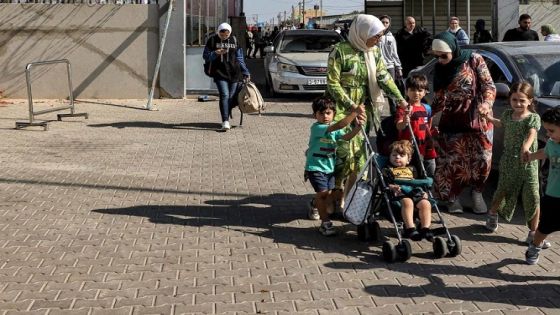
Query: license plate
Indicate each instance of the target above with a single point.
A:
(316, 81)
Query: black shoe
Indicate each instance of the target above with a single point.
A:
(412, 234)
(427, 234)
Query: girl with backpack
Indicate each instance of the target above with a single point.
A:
(225, 64)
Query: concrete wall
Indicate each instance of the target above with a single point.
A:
(172, 70)
(507, 16)
(112, 49)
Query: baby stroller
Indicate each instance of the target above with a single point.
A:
(369, 197)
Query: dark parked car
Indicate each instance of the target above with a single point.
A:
(296, 62)
(535, 62)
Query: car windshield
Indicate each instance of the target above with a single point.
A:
(308, 43)
(542, 71)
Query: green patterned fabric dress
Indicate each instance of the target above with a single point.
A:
(347, 84)
(516, 177)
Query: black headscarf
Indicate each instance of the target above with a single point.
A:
(444, 74)
(479, 26)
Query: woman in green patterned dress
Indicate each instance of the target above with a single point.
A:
(356, 71)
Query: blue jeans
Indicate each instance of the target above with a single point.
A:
(227, 91)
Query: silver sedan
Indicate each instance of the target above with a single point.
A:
(296, 62)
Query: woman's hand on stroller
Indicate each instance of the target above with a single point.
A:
(362, 119)
(403, 103)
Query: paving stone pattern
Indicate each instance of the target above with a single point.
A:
(139, 212)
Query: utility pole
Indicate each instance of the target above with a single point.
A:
(303, 13)
(321, 6)
(316, 8)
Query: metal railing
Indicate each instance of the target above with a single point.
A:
(33, 113)
(89, 2)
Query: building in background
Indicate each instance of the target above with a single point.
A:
(500, 15)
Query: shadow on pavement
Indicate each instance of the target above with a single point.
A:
(155, 124)
(268, 217)
(140, 107)
(521, 294)
(292, 115)
(263, 216)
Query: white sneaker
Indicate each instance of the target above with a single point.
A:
(327, 229)
(455, 207)
(313, 212)
(492, 222)
(226, 125)
(544, 245)
(479, 205)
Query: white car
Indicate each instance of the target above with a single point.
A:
(296, 62)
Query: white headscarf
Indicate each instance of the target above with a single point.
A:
(363, 27)
(224, 26)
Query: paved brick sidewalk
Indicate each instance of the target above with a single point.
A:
(137, 212)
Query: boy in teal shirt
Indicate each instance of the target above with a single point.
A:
(550, 215)
(319, 165)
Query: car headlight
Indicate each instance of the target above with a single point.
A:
(284, 67)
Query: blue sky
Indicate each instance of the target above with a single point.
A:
(267, 9)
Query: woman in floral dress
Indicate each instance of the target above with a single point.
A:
(356, 71)
(464, 93)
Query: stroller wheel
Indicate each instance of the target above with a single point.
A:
(375, 231)
(440, 247)
(362, 234)
(404, 250)
(369, 232)
(389, 252)
(455, 248)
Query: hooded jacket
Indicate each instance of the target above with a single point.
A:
(388, 46)
(229, 66)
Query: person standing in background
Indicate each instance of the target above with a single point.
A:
(250, 41)
(412, 43)
(523, 32)
(457, 31)
(549, 33)
(388, 46)
(481, 35)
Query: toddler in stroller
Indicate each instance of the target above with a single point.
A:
(389, 184)
(410, 194)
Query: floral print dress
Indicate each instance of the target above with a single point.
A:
(517, 177)
(465, 138)
(347, 84)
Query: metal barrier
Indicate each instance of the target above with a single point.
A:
(32, 113)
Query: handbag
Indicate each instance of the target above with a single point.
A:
(358, 202)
